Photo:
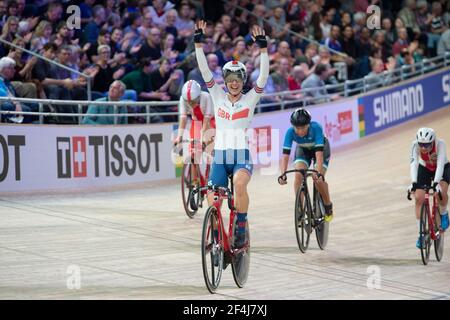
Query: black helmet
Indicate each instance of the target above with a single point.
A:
(300, 117)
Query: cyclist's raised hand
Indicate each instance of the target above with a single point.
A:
(259, 36)
(200, 25)
(282, 180)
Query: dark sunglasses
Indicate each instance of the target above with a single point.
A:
(425, 145)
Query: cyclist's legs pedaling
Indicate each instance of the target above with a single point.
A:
(228, 162)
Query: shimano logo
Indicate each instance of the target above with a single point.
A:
(398, 105)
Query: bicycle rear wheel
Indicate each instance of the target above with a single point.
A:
(190, 201)
(320, 224)
(439, 242)
(302, 222)
(212, 250)
(240, 262)
(425, 234)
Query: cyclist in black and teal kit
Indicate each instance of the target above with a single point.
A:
(312, 145)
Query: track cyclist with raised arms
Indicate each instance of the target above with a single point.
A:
(233, 113)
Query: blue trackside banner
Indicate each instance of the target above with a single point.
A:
(402, 103)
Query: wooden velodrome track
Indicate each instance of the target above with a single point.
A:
(137, 243)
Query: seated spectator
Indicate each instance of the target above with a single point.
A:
(389, 36)
(22, 80)
(104, 38)
(62, 36)
(41, 36)
(240, 50)
(283, 51)
(115, 92)
(132, 35)
(106, 71)
(184, 23)
(151, 47)
(7, 70)
(280, 75)
(315, 85)
(380, 43)
(9, 33)
(437, 27)
(308, 57)
(159, 11)
(377, 78)
(92, 29)
(332, 41)
(408, 16)
(140, 81)
(225, 53)
(444, 42)
(401, 43)
(170, 22)
(297, 76)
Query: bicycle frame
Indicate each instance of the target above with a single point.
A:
(432, 215)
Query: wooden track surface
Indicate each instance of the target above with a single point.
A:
(137, 243)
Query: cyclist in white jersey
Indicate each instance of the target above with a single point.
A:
(430, 167)
(233, 113)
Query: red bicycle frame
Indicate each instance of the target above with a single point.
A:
(432, 215)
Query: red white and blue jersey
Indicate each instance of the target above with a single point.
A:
(232, 119)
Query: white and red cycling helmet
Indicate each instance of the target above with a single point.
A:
(191, 91)
(425, 135)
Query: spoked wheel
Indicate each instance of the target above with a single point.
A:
(439, 242)
(303, 225)
(190, 201)
(321, 225)
(425, 234)
(240, 261)
(212, 250)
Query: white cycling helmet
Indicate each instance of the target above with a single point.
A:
(234, 68)
(191, 90)
(425, 135)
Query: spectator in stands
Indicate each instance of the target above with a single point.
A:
(116, 41)
(316, 82)
(22, 80)
(41, 35)
(184, 24)
(132, 35)
(86, 11)
(407, 14)
(106, 71)
(332, 41)
(104, 38)
(240, 50)
(225, 53)
(376, 78)
(327, 19)
(401, 43)
(283, 51)
(389, 37)
(310, 53)
(140, 81)
(437, 27)
(10, 28)
(380, 43)
(163, 79)
(281, 73)
(444, 42)
(279, 25)
(62, 36)
(54, 14)
(159, 10)
(152, 47)
(297, 43)
(92, 29)
(3, 12)
(297, 76)
(115, 92)
(7, 70)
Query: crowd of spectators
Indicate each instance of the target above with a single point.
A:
(145, 49)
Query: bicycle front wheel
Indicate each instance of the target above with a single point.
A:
(302, 220)
(190, 201)
(240, 262)
(439, 242)
(321, 225)
(212, 249)
(425, 234)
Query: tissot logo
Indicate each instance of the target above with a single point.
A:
(115, 154)
(6, 153)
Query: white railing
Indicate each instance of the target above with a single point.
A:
(343, 89)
